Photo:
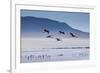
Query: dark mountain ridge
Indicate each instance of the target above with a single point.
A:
(34, 26)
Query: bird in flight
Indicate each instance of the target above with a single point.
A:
(49, 36)
(58, 39)
(61, 32)
(73, 35)
(47, 31)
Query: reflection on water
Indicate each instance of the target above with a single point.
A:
(43, 55)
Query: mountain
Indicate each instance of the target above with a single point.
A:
(34, 27)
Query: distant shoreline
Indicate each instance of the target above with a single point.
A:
(43, 49)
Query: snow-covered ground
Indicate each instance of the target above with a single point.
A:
(49, 49)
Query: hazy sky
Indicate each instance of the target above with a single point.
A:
(74, 19)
